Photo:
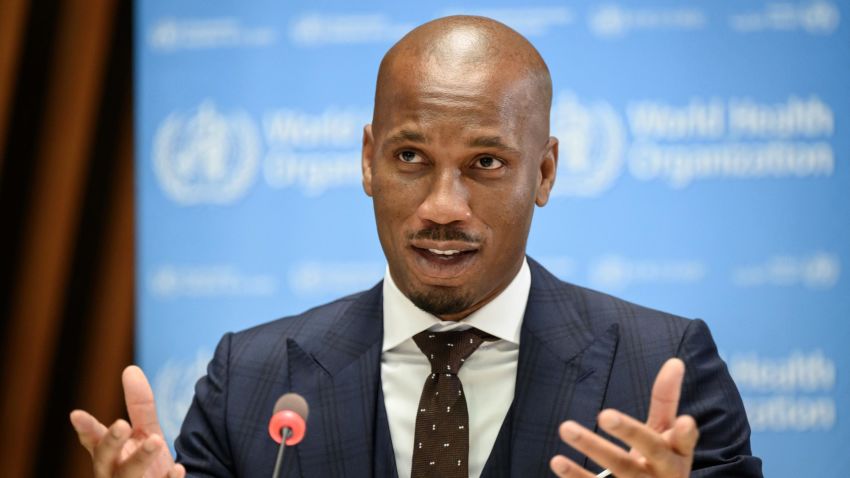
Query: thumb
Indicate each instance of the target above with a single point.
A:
(89, 430)
(138, 396)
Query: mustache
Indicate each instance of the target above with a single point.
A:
(444, 234)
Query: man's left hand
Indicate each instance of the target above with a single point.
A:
(663, 447)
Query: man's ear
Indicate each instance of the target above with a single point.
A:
(366, 158)
(548, 171)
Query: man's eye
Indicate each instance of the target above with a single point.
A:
(488, 162)
(410, 157)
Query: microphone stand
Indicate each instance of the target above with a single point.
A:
(286, 433)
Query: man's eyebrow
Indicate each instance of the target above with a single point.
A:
(405, 136)
(492, 142)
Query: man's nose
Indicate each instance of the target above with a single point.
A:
(447, 200)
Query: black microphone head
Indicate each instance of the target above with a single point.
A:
(294, 403)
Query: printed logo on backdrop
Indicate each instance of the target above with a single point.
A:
(170, 34)
(794, 392)
(529, 21)
(314, 152)
(316, 29)
(614, 272)
(734, 138)
(206, 156)
(212, 157)
(591, 140)
(323, 278)
(613, 21)
(170, 281)
(817, 18)
(820, 270)
(174, 386)
(616, 21)
(679, 144)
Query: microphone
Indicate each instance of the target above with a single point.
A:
(288, 424)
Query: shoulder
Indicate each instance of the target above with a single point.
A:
(598, 311)
(308, 327)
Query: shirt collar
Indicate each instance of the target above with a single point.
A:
(501, 317)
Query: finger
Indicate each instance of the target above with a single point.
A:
(140, 402)
(566, 468)
(600, 450)
(650, 444)
(106, 452)
(177, 471)
(89, 430)
(666, 391)
(684, 436)
(141, 459)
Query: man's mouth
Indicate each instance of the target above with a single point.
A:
(444, 260)
(444, 254)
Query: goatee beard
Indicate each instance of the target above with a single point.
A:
(440, 303)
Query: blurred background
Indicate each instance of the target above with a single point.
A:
(67, 215)
(172, 170)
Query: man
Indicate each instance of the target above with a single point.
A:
(457, 156)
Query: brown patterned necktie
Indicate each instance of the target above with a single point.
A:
(441, 440)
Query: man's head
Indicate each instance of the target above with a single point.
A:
(456, 157)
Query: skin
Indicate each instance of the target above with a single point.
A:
(661, 447)
(456, 158)
(135, 449)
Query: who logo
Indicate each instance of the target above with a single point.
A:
(591, 141)
(174, 388)
(205, 156)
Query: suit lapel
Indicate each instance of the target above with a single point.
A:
(384, 454)
(339, 376)
(562, 374)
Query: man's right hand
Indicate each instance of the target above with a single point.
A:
(136, 449)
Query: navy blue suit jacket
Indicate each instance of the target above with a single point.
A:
(581, 351)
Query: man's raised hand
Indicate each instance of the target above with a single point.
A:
(663, 447)
(136, 449)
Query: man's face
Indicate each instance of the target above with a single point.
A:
(455, 162)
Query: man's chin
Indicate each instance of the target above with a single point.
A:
(440, 303)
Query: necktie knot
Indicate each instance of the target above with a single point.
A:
(447, 351)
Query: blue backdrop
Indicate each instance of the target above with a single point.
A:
(718, 130)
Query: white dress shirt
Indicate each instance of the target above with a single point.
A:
(488, 375)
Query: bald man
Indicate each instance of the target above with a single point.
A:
(558, 379)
